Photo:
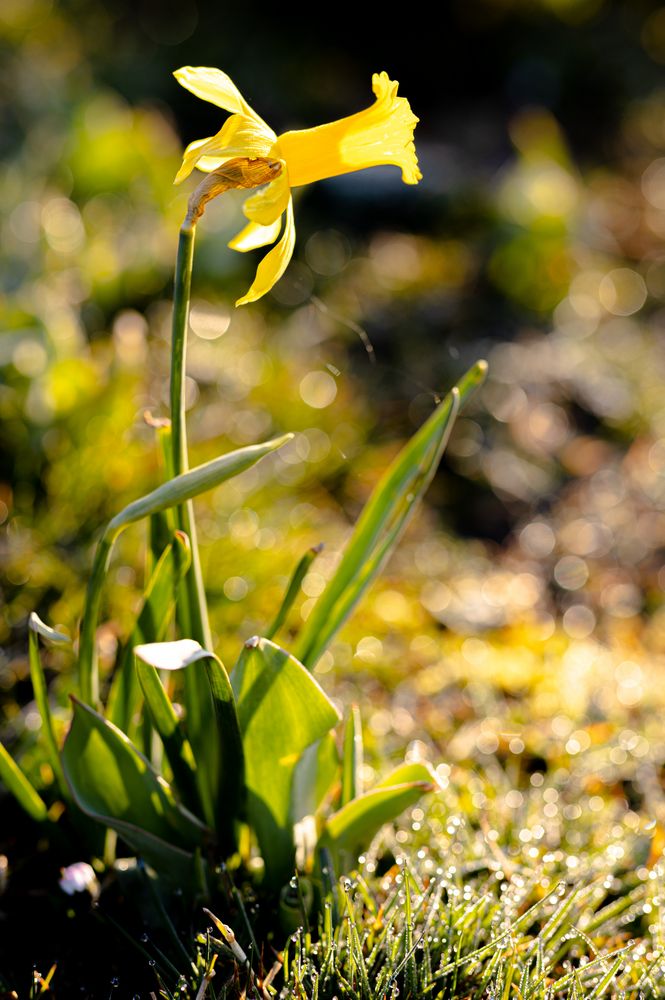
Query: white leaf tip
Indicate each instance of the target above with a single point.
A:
(35, 624)
(171, 655)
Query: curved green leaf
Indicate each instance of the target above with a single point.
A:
(282, 710)
(410, 770)
(352, 827)
(190, 484)
(114, 783)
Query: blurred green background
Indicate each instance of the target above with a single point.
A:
(523, 615)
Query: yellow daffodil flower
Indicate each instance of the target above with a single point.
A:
(246, 153)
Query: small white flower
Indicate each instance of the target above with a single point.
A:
(79, 877)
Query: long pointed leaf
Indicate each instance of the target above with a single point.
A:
(282, 710)
(213, 730)
(150, 626)
(191, 484)
(299, 574)
(170, 494)
(382, 521)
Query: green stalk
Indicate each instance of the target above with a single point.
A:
(89, 675)
(181, 296)
(193, 607)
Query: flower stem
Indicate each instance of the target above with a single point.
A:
(181, 296)
(88, 671)
(192, 604)
(192, 610)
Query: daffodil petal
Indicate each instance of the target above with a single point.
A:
(209, 163)
(194, 154)
(268, 204)
(239, 136)
(254, 236)
(274, 264)
(213, 85)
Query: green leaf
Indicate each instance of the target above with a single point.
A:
(170, 494)
(293, 589)
(352, 757)
(382, 521)
(151, 624)
(16, 782)
(316, 773)
(115, 784)
(164, 719)
(190, 484)
(315, 782)
(213, 730)
(416, 770)
(282, 710)
(174, 864)
(37, 628)
(351, 828)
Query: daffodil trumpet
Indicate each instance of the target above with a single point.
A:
(246, 153)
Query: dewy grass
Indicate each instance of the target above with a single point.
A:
(474, 913)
